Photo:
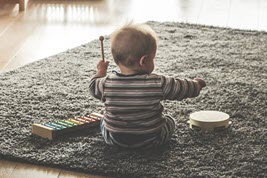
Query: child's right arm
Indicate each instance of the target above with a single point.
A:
(177, 89)
(96, 82)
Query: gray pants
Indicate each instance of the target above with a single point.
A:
(140, 141)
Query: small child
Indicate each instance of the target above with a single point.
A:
(133, 115)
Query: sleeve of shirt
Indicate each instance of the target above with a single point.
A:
(96, 86)
(178, 89)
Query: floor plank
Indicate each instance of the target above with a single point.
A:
(262, 15)
(24, 170)
(6, 168)
(219, 11)
(13, 39)
(2, 65)
(10, 14)
(244, 14)
(72, 174)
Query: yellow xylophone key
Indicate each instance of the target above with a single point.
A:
(75, 121)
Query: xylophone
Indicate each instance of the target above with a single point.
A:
(51, 130)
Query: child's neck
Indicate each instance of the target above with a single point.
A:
(127, 71)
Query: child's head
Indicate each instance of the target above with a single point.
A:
(134, 46)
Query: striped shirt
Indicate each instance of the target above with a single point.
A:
(132, 102)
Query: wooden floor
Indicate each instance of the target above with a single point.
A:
(10, 169)
(48, 27)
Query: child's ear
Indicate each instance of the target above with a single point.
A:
(143, 60)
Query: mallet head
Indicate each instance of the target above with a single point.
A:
(101, 38)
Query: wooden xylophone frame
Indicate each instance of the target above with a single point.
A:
(52, 130)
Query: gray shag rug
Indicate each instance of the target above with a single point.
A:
(234, 64)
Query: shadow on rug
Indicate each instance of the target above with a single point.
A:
(234, 64)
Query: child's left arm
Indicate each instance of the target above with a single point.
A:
(97, 81)
(178, 89)
(201, 82)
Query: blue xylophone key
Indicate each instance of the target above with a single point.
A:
(58, 125)
(51, 126)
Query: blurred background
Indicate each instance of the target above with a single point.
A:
(47, 27)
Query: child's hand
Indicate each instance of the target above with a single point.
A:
(102, 67)
(201, 82)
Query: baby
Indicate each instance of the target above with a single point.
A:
(133, 115)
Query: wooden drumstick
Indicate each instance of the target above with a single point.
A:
(101, 38)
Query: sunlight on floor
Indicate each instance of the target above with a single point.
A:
(48, 27)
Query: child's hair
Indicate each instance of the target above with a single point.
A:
(131, 42)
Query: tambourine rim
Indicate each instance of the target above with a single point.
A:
(223, 116)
